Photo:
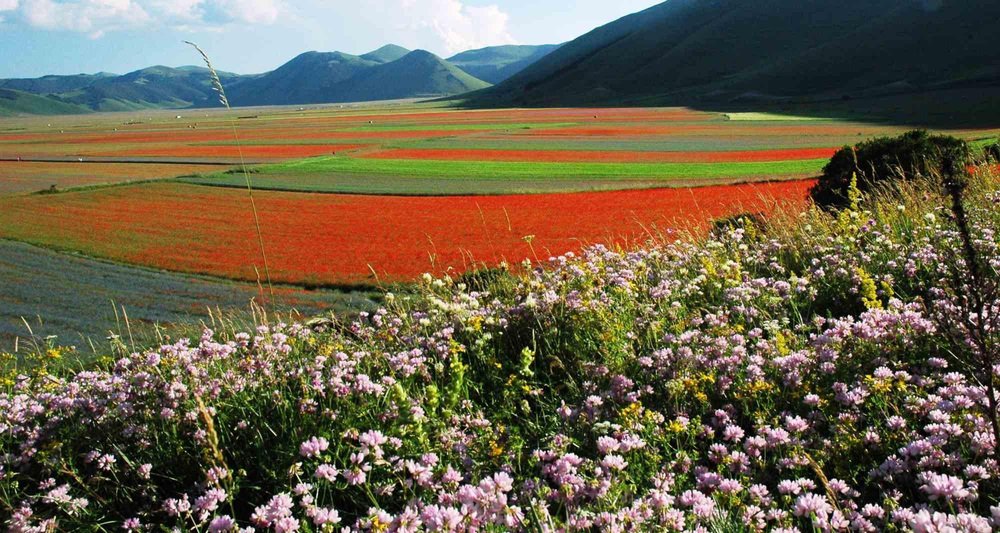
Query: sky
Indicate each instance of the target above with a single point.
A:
(39, 37)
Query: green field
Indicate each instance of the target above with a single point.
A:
(82, 300)
(414, 177)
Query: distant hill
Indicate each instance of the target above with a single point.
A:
(766, 50)
(14, 103)
(54, 84)
(391, 72)
(306, 79)
(386, 54)
(495, 64)
(153, 87)
(417, 74)
(315, 78)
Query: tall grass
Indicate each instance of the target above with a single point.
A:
(224, 100)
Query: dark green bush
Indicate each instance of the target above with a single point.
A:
(883, 161)
(992, 152)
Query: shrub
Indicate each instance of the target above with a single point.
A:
(880, 162)
(992, 152)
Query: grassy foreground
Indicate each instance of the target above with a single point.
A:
(813, 374)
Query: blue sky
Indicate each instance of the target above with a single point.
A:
(40, 37)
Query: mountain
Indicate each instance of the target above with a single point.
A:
(14, 103)
(391, 72)
(417, 74)
(495, 64)
(153, 87)
(53, 84)
(306, 79)
(729, 50)
(386, 54)
(316, 78)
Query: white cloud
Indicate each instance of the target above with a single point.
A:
(251, 11)
(96, 17)
(87, 16)
(448, 25)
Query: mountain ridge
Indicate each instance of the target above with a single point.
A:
(309, 78)
(684, 51)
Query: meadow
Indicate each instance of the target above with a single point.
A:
(82, 301)
(817, 372)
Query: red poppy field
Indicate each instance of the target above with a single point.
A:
(464, 169)
(326, 239)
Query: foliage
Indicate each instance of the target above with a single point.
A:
(882, 161)
(992, 152)
(793, 376)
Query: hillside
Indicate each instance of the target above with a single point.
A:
(306, 79)
(53, 84)
(417, 74)
(390, 72)
(21, 103)
(724, 50)
(495, 64)
(153, 87)
(386, 54)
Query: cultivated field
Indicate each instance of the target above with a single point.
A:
(374, 194)
(23, 177)
(81, 299)
(322, 239)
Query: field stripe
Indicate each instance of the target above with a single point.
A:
(582, 156)
(333, 239)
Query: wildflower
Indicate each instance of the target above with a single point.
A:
(314, 447)
(943, 486)
(810, 504)
(221, 524)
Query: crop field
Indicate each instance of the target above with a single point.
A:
(23, 177)
(57, 293)
(395, 147)
(323, 239)
(361, 195)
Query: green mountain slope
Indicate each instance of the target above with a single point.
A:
(495, 64)
(391, 72)
(14, 103)
(684, 50)
(417, 74)
(306, 79)
(53, 84)
(153, 87)
(386, 54)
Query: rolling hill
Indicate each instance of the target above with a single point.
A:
(730, 50)
(495, 64)
(317, 78)
(390, 72)
(386, 54)
(153, 87)
(417, 74)
(306, 79)
(14, 103)
(54, 84)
